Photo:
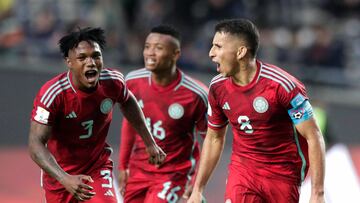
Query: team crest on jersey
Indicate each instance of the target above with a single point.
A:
(106, 106)
(260, 105)
(176, 111)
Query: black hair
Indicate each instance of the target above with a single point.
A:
(242, 28)
(82, 34)
(167, 30)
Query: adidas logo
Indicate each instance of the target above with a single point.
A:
(71, 115)
(226, 106)
(109, 193)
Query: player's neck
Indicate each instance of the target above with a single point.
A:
(164, 77)
(246, 73)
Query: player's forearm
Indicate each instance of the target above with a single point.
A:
(38, 137)
(317, 164)
(42, 157)
(316, 150)
(210, 155)
(135, 116)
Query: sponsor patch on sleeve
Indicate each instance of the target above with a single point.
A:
(297, 100)
(301, 113)
(42, 115)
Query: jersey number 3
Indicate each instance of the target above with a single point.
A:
(88, 125)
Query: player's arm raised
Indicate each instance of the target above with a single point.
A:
(211, 152)
(316, 146)
(135, 116)
(38, 137)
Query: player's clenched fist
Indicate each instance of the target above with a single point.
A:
(156, 154)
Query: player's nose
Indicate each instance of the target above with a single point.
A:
(90, 62)
(211, 53)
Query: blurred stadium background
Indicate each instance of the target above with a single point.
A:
(316, 40)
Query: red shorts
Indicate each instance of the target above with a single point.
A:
(145, 187)
(245, 187)
(103, 186)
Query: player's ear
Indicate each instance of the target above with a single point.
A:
(68, 62)
(242, 50)
(177, 53)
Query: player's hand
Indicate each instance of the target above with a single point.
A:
(196, 197)
(156, 155)
(76, 185)
(188, 191)
(123, 177)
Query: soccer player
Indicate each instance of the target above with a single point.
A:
(70, 121)
(275, 134)
(175, 107)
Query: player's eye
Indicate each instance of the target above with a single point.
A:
(159, 48)
(81, 58)
(97, 56)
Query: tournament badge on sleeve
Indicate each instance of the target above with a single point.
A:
(42, 115)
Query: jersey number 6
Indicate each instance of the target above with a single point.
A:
(157, 130)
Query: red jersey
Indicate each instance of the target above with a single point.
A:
(174, 114)
(80, 121)
(264, 139)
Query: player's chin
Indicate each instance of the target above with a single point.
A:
(89, 84)
(150, 67)
(223, 73)
(92, 85)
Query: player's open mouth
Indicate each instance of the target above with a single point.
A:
(91, 75)
(149, 61)
(217, 67)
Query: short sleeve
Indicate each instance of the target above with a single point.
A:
(201, 119)
(45, 107)
(124, 93)
(216, 117)
(118, 79)
(296, 102)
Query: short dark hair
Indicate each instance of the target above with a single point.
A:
(82, 34)
(167, 30)
(243, 28)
